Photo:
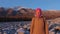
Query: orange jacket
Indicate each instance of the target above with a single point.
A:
(38, 26)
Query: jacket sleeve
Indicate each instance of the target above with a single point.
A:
(32, 26)
(46, 28)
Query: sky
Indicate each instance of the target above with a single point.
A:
(43, 4)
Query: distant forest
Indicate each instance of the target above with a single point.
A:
(20, 14)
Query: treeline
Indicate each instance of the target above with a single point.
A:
(25, 14)
(51, 14)
(12, 12)
(18, 14)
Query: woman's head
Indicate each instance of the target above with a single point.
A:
(38, 12)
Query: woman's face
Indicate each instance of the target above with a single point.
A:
(38, 13)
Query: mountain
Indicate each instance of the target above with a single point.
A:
(29, 13)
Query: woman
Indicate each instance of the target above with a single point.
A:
(38, 25)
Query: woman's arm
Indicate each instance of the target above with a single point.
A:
(32, 26)
(46, 28)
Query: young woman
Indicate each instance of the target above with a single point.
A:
(38, 24)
